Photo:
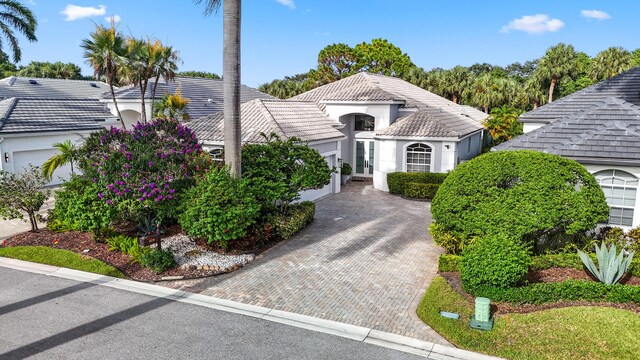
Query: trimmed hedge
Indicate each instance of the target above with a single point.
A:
(566, 290)
(451, 263)
(298, 216)
(398, 181)
(421, 191)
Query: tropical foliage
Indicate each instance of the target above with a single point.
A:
(15, 16)
(57, 70)
(22, 192)
(503, 124)
(68, 154)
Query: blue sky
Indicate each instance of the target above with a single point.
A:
(283, 37)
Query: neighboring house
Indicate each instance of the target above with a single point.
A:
(600, 128)
(379, 124)
(287, 119)
(391, 125)
(205, 97)
(37, 113)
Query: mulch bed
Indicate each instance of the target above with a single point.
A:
(546, 275)
(78, 242)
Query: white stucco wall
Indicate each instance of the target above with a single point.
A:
(130, 109)
(530, 126)
(17, 151)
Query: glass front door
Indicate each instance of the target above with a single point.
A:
(364, 157)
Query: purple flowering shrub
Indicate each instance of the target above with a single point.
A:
(144, 168)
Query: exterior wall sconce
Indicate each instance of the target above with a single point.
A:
(446, 147)
(6, 157)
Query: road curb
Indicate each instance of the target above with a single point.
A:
(358, 333)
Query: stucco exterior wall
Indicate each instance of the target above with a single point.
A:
(469, 147)
(530, 126)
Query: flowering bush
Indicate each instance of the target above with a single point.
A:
(144, 168)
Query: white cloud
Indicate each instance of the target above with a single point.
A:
(75, 12)
(115, 18)
(288, 3)
(595, 14)
(534, 24)
(31, 2)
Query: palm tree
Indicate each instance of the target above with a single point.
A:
(560, 61)
(164, 61)
(533, 91)
(68, 154)
(172, 106)
(610, 62)
(104, 51)
(503, 123)
(455, 81)
(138, 68)
(15, 16)
(231, 79)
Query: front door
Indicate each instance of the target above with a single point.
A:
(364, 158)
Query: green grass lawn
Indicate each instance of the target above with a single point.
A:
(566, 333)
(60, 257)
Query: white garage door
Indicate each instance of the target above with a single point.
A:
(22, 159)
(311, 195)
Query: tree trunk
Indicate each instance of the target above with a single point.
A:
(486, 109)
(34, 223)
(115, 103)
(454, 98)
(153, 93)
(552, 87)
(536, 104)
(143, 105)
(231, 83)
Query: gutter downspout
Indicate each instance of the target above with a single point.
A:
(1, 155)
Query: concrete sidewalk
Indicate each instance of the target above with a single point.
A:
(91, 312)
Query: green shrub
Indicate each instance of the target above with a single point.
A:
(78, 207)
(346, 169)
(568, 290)
(398, 181)
(158, 260)
(528, 195)
(449, 263)
(538, 262)
(445, 239)
(496, 260)
(127, 245)
(421, 191)
(220, 208)
(298, 216)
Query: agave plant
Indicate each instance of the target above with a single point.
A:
(611, 265)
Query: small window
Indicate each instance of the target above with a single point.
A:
(365, 123)
(418, 158)
(620, 189)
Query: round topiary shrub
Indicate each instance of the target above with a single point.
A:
(496, 261)
(529, 195)
(219, 208)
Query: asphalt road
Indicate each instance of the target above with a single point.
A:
(45, 317)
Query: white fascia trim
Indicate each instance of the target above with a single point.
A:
(415, 138)
(47, 133)
(363, 102)
(318, 142)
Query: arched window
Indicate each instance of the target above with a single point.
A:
(620, 189)
(364, 123)
(418, 158)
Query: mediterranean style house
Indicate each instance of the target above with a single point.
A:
(600, 128)
(376, 123)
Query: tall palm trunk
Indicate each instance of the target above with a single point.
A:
(536, 104)
(454, 98)
(552, 87)
(231, 81)
(153, 92)
(115, 102)
(143, 107)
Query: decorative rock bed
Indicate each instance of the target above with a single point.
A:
(190, 256)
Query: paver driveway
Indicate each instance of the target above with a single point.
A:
(365, 260)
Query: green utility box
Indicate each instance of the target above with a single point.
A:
(482, 319)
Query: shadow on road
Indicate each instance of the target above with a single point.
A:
(44, 297)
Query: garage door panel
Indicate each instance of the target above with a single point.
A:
(22, 160)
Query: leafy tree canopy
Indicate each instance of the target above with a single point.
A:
(200, 74)
(56, 70)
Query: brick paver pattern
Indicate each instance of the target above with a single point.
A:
(366, 260)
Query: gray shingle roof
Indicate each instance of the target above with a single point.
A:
(606, 132)
(38, 115)
(432, 122)
(625, 86)
(23, 88)
(285, 118)
(197, 90)
(365, 86)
